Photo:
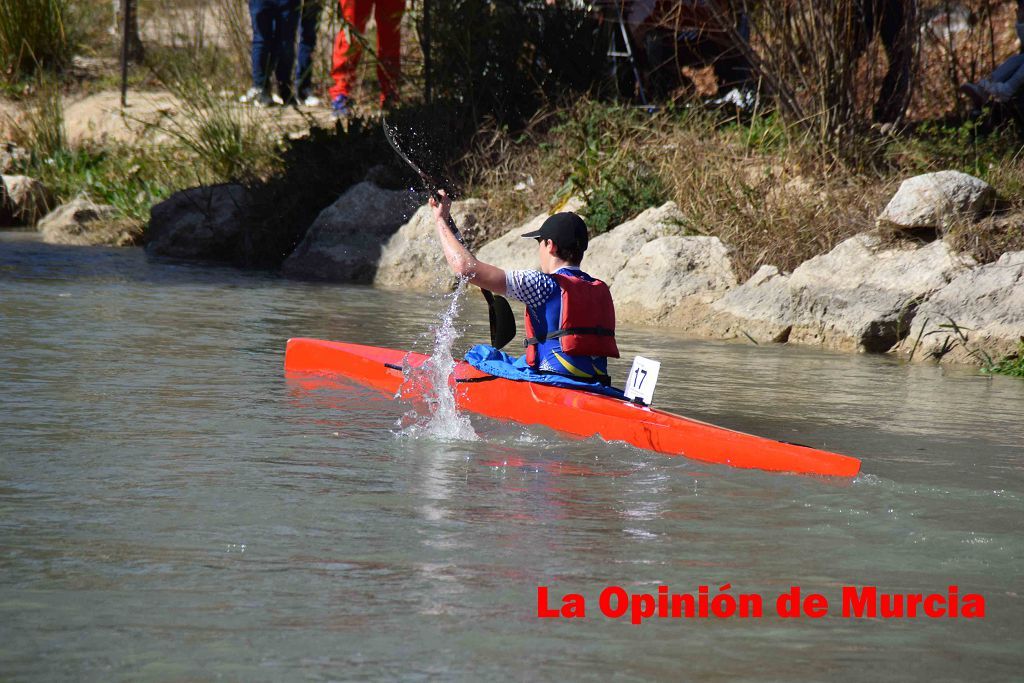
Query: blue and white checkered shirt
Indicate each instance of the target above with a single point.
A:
(532, 287)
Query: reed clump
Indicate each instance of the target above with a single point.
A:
(35, 34)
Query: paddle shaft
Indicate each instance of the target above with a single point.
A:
(502, 322)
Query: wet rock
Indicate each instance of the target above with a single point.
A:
(672, 281)
(412, 257)
(937, 200)
(856, 297)
(24, 200)
(82, 222)
(511, 251)
(980, 312)
(201, 223)
(609, 252)
(346, 240)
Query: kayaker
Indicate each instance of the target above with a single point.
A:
(570, 317)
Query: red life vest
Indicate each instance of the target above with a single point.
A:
(586, 322)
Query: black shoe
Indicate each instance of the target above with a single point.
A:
(978, 97)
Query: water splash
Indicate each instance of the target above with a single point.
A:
(442, 420)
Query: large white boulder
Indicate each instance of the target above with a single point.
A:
(672, 280)
(412, 258)
(980, 312)
(857, 296)
(936, 200)
(345, 241)
(609, 252)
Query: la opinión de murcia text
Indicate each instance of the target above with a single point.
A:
(855, 602)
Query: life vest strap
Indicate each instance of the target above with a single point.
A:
(596, 331)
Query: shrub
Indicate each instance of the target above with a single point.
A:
(230, 141)
(33, 34)
(610, 165)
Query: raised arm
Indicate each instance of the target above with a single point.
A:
(463, 263)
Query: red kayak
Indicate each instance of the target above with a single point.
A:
(569, 410)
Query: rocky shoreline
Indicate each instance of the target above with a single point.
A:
(901, 288)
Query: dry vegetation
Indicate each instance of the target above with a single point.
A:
(764, 196)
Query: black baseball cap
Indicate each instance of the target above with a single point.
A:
(565, 229)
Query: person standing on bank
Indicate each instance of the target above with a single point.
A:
(348, 50)
(570, 316)
(273, 49)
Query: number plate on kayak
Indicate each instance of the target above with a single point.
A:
(642, 378)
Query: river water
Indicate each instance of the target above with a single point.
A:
(172, 507)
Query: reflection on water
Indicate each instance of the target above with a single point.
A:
(172, 507)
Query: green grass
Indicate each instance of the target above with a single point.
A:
(967, 147)
(1012, 365)
(118, 176)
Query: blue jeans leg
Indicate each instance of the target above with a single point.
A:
(1010, 73)
(286, 25)
(307, 43)
(262, 12)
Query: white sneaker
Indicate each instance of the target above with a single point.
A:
(744, 100)
(311, 101)
(256, 97)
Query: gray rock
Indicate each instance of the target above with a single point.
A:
(672, 280)
(346, 240)
(980, 312)
(201, 223)
(857, 296)
(24, 200)
(936, 200)
(760, 309)
(511, 251)
(412, 258)
(609, 252)
(80, 222)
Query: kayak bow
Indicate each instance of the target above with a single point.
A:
(567, 410)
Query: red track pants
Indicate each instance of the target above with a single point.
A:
(348, 49)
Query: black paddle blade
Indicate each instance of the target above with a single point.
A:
(503, 323)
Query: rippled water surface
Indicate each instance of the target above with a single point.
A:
(172, 507)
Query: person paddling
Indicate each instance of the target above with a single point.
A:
(570, 316)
